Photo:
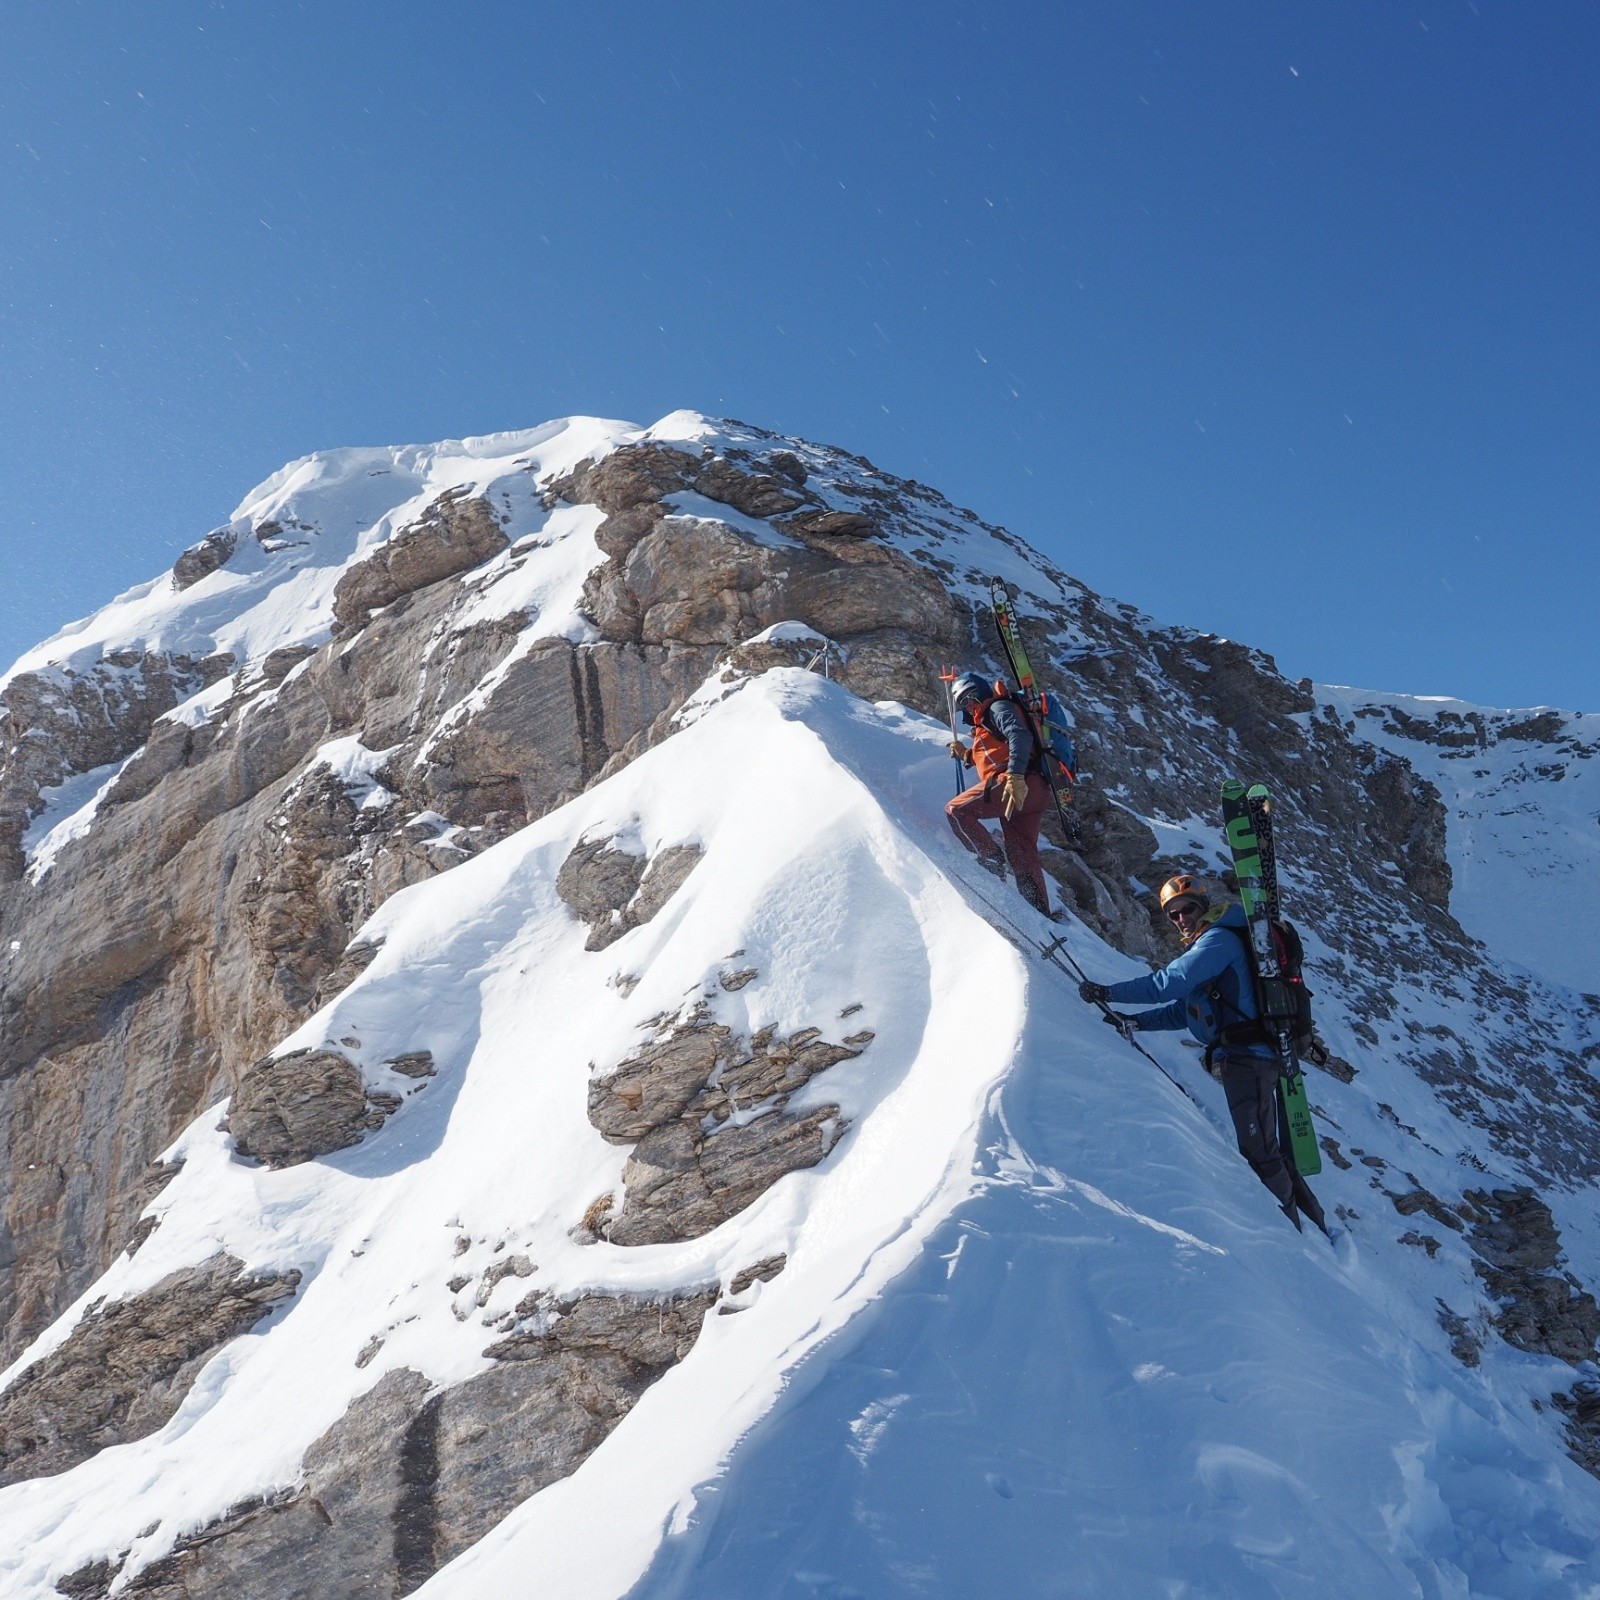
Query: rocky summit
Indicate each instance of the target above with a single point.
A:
(508, 1084)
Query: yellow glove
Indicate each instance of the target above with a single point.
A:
(960, 751)
(1013, 793)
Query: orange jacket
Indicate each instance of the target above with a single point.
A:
(991, 751)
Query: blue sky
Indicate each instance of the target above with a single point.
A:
(1273, 319)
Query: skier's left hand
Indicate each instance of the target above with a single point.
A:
(1013, 793)
(1094, 993)
(1123, 1025)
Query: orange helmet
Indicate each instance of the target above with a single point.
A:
(1183, 887)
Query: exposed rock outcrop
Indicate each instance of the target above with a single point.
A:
(311, 886)
(60, 722)
(301, 1105)
(706, 1114)
(201, 560)
(411, 1476)
(1518, 1247)
(895, 620)
(456, 533)
(763, 1271)
(1581, 1407)
(614, 890)
(1410, 817)
(126, 1367)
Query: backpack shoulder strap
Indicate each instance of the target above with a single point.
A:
(1214, 994)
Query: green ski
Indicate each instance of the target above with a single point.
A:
(1247, 822)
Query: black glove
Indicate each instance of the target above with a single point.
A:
(1094, 993)
(1123, 1025)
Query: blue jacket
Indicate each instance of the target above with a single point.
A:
(1219, 959)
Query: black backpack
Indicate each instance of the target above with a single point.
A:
(1285, 996)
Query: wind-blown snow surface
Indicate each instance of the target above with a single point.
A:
(1045, 1338)
(1111, 1370)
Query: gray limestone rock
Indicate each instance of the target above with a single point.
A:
(126, 1367)
(307, 1103)
(1581, 1406)
(657, 1082)
(201, 560)
(1466, 1338)
(89, 1582)
(614, 890)
(667, 873)
(705, 1113)
(680, 1185)
(755, 494)
(411, 1476)
(832, 524)
(597, 880)
(639, 475)
(156, 1177)
(455, 533)
(59, 722)
(762, 1271)
(1518, 1246)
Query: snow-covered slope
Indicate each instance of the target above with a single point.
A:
(1523, 790)
(833, 902)
(1023, 1323)
(293, 537)
(1094, 1344)
(279, 561)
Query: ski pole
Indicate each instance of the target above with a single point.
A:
(949, 677)
(1056, 951)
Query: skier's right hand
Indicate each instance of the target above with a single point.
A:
(1124, 1025)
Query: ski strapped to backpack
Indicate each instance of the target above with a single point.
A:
(1058, 757)
(1283, 1002)
(1252, 1030)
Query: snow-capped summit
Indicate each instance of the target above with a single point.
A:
(511, 1085)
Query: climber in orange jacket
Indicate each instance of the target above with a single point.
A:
(1011, 786)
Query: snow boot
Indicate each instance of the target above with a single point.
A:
(1030, 892)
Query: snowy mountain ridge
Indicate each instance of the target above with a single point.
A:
(612, 1100)
(1523, 790)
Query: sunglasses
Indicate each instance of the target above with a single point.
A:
(1190, 908)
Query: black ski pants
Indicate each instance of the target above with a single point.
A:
(1251, 1085)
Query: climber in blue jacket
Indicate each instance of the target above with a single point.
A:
(1210, 990)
